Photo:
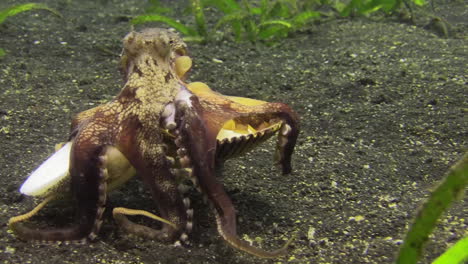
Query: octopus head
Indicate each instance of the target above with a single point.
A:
(154, 41)
(163, 45)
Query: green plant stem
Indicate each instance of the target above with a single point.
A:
(458, 253)
(197, 8)
(13, 10)
(449, 190)
(249, 24)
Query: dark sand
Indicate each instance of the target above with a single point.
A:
(383, 109)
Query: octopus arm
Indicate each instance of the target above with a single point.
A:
(239, 121)
(88, 173)
(200, 144)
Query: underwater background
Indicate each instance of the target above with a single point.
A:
(382, 102)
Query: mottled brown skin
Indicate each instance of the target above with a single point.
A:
(130, 122)
(165, 128)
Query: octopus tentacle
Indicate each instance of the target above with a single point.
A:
(287, 138)
(155, 162)
(230, 147)
(90, 203)
(283, 122)
(282, 118)
(229, 234)
(14, 222)
(168, 202)
(101, 199)
(227, 227)
(186, 172)
(202, 150)
(120, 213)
(127, 211)
(219, 111)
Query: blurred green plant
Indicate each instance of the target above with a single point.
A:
(265, 20)
(197, 33)
(365, 7)
(16, 9)
(449, 190)
(458, 253)
(155, 7)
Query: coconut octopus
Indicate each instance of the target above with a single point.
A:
(166, 131)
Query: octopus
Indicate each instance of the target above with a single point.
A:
(168, 132)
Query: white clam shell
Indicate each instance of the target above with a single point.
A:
(49, 174)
